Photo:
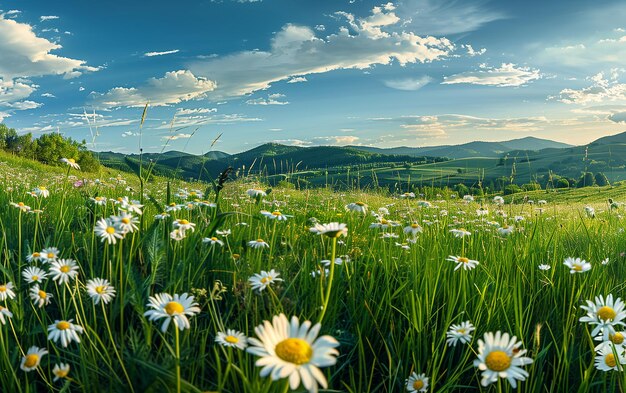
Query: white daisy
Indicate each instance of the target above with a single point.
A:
(498, 200)
(232, 338)
(224, 232)
(175, 308)
(500, 356)
(177, 234)
(34, 257)
(34, 274)
(107, 230)
(63, 270)
(98, 200)
(33, 356)
(410, 195)
(290, 350)
(258, 243)
(605, 313)
(255, 193)
(506, 230)
(262, 280)
(20, 205)
(466, 263)
(615, 340)
(460, 232)
(100, 289)
(590, 211)
(64, 331)
(5, 313)
(358, 207)
(334, 229)
(424, 204)
(42, 191)
(606, 359)
(275, 215)
(417, 383)
(173, 207)
(184, 225)
(212, 241)
(413, 229)
(126, 222)
(462, 333)
(39, 296)
(6, 291)
(577, 265)
(60, 371)
(161, 216)
(545, 267)
(71, 162)
(49, 254)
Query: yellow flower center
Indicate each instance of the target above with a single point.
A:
(265, 280)
(606, 313)
(110, 230)
(463, 260)
(294, 350)
(231, 339)
(21, 204)
(36, 255)
(42, 294)
(415, 226)
(98, 198)
(126, 220)
(461, 331)
(214, 239)
(617, 338)
(610, 360)
(577, 268)
(174, 308)
(63, 325)
(35, 278)
(172, 204)
(192, 194)
(73, 161)
(3, 288)
(276, 213)
(42, 188)
(236, 256)
(498, 361)
(31, 360)
(359, 203)
(417, 385)
(61, 373)
(384, 222)
(183, 222)
(50, 255)
(100, 289)
(259, 240)
(64, 269)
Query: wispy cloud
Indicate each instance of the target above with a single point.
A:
(167, 52)
(272, 99)
(48, 17)
(603, 89)
(507, 75)
(408, 84)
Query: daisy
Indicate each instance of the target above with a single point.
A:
(4, 312)
(107, 231)
(34, 257)
(258, 243)
(100, 201)
(126, 222)
(498, 200)
(413, 229)
(63, 270)
(177, 234)
(462, 333)
(408, 195)
(468, 198)
(134, 207)
(289, 350)
(232, 338)
(334, 229)
(590, 211)
(605, 261)
(39, 296)
(6, 291)
(275, 215)
(161, 216)
(262, 280)
(255, 193)
(42, 191)
(499, 356)
(21, 206)
(173, 207)
(100, 289)
(606, 359)
(33, 356)
(506, 230)
(34, 274)
(577, 265)
(184, 225)
(545, 267)
(466, 263)
(605, 313)
(60, 371)
(65, 331)
(175, 308)
(71, 162)
(212, 241)
(49, 254)
(417, 383)
(224, 232)
(358, 207)
(615, 340)
(460, 232)
(482, 212)
(424, 204)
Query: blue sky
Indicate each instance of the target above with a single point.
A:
(403, 73)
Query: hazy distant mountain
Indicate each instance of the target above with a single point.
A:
(611, 139)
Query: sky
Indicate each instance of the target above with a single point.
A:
(310, 72)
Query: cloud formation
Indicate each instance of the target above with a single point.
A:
(408, 84)
(167, 52)
(603, 89)
(272, 99)
(507, 75)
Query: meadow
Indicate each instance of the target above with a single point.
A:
(196, 288)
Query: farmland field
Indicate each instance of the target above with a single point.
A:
(417, 290)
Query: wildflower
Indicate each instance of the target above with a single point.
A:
(262, 280)
(126, 222)
(212, 241)
(33, 356)
(404, 246)
(334, 229)
(506, 230)
(384, 224)
(460, 232)
(605, 261)
(275, 215)
(358, 207)
(5, 313)
(290, 350)
(232, 338)
(542, 202)
(49, 254)
(417, 383)
(615, 340)
(34, 274)
(42, 191)
(39, 296)
(161, 216)
(255, 193)
(607, 360)
(63, 270)
(466, 263)
(604, 313)
(590, 211)
(107, 230)
(177, 234)
(100, 201)
(21, 206)
(500, 356)
(545, 267)
(383, 211)
(258, 243)
(184, 225)
(34, 257)
(468, 198)
(100, 289)
(462, 333)
(424, 204)
(173, 207)
(482, 212)
(413, 229)
(6, 291)
(498, 200)
(224, 232)
(65, 331)
(60, 371)
(71, 162)
(175, 309)
(408, 195)
(577, 265)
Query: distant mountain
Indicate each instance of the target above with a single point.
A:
(611, 139)
(534, 144)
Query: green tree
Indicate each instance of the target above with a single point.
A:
(562, 183)
(586, 180)
(601, 179)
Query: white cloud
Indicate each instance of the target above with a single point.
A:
(195, 111)
(508, 74)
(14, 90)
(127, 134)
(601, 90)
(297, 79)
(81, 88)
(320, 27)
(292, 142)
(48, 17)
(167, 52)
(178, 136)
(409, 84)
(24, 105)
(272, 99)
(337, 140)
(471, 52)
(296, 51)
(605, 50)
(204, 119)
(173, 88)
(619, 117)
(48, 95)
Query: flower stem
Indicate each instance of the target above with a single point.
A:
(330, 280)
(177, 359)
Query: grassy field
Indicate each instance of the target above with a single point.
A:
(386, 309)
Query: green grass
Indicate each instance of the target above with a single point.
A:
(389, 307)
